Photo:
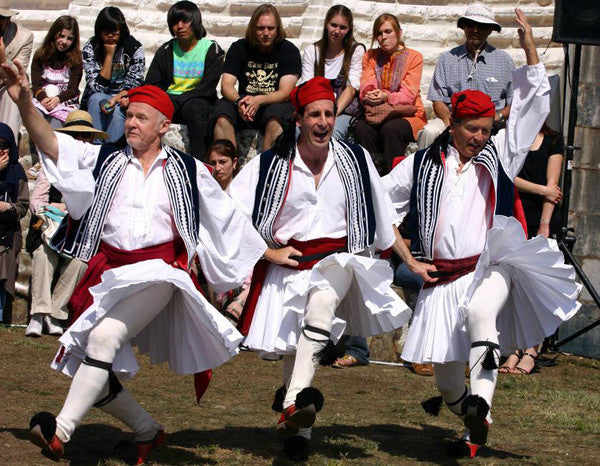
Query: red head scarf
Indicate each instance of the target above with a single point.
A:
(153, 96)
(318, 88)
(472, 104)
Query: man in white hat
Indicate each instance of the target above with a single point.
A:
(474, 65)
(16, 43)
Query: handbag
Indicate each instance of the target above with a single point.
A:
(51, 218)
(378, 114)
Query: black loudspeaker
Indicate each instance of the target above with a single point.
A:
(577, 22)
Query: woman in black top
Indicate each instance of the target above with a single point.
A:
(538, 187)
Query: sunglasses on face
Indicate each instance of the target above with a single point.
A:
(4, 145)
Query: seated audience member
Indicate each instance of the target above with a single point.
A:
(14, 200)
(540, 194)
(265, 66)
(188, 68)
(389, 92)
(222, 156)
(16, 44)
(473, 65)
(48, 306)
(113, 63)
(338, 57)
(56, 71)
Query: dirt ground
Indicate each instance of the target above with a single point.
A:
(371, 416)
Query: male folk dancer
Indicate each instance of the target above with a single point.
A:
(144, 212)
(320, 201)
(492, 290)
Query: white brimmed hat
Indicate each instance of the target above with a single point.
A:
(5, 9)
(479, 13)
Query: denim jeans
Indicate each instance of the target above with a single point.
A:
(357, 347)
(405, 278)
(112, 123)
(342, 124)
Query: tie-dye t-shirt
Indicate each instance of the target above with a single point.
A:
(188, 67)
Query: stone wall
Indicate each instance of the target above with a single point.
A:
(428, 25)
(584, 215)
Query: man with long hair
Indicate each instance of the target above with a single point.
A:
(260, 71)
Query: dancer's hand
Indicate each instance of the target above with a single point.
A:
(526, 37)
(281, 256)
(422, 269)
(16, 82)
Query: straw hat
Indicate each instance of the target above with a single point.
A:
(481, 14)
(5, 9)
(80, 121)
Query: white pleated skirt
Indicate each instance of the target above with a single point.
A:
(189, 333)
(543, 295)
(369, 308)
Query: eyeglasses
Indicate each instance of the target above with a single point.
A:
(4, 145)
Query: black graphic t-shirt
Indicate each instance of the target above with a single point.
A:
(259, 73)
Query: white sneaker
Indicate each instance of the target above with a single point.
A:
(34, 329)
(52, 326)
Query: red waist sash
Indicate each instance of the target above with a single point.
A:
(109, 257)
(449, 270)
(312, 252)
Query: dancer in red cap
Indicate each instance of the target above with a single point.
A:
(487, 289)
(319, 202)
(139, 216)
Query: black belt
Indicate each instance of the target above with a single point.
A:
(318, 256)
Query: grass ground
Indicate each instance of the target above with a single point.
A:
(371, 416)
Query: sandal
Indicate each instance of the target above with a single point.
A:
(507, 367)
(347, 361)
(520, 371)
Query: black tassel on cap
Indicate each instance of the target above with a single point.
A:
(433, 406)
(329, 353)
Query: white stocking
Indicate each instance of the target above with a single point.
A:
(125, 320)
(450, 381)
(320, 311)
(484, 307)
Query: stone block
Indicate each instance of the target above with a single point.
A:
(588, 110)
(177, 137)
(587, 227)
(589, 141)
(587, 344)
(591, 268)
(584, 192)
(590, 70)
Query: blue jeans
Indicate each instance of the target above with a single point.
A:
(112, 123)
(356, 346)
(405, 278)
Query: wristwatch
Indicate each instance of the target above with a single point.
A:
(237, 101)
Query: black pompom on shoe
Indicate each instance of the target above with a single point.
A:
(310, 396)
(476, 410)
(42, 430)
(461, 449)
(297, 448)
(277, 405)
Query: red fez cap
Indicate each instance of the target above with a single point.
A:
(318, 88)
(472, 104)
(153, 96)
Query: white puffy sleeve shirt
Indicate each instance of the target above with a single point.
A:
(140, 215)
(464, 217)
(313, 212)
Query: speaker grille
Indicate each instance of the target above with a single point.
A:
(577, 22)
